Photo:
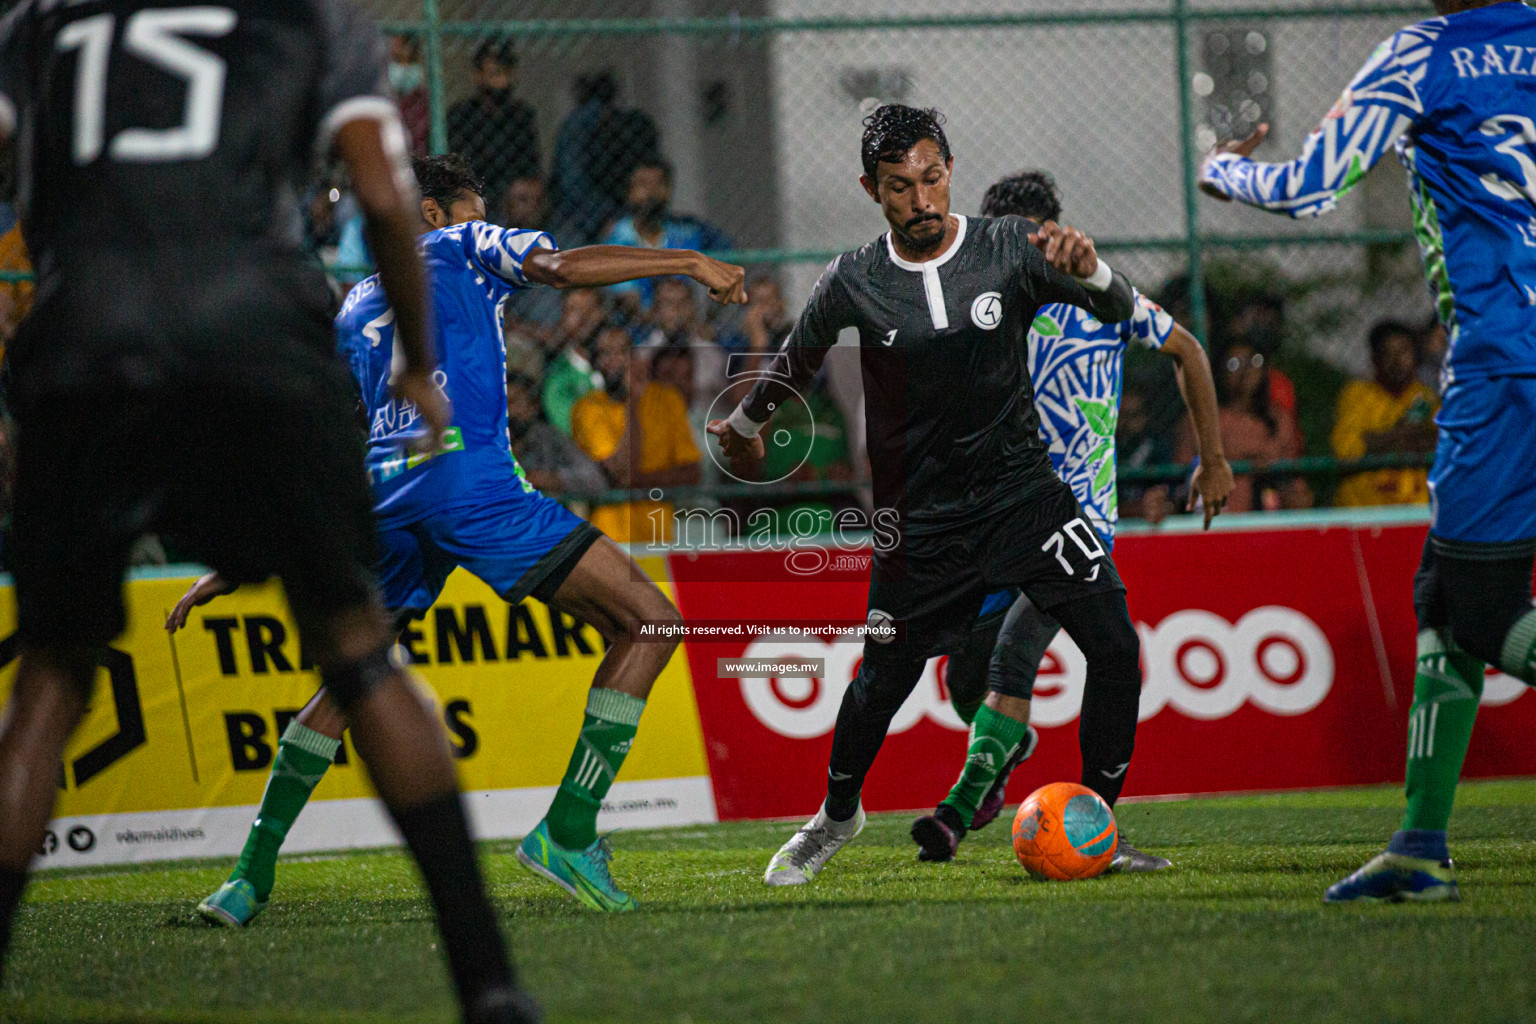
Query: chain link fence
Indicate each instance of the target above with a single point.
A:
(745, 117)
(733, 126)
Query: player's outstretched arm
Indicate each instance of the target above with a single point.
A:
(1385, 99)
(1073, 273)
(593, 266)
(1212, 481)
(204, 590)
(385, 190)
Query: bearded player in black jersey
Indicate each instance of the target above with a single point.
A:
(178, 375)
(943, 304)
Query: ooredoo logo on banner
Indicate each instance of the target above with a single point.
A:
(1197, 663)
(1287, 674)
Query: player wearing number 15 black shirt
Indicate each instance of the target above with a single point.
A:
(178, 375)
(942, 305)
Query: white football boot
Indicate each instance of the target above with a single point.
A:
(808, 850)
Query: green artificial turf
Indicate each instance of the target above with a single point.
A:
(1235, 932)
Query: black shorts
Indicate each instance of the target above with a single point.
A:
(933, 585)
(255, 478)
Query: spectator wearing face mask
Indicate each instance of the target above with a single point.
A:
(493, 129)
(649, 223)
(550, 460)
(637, 431)
(408, 78)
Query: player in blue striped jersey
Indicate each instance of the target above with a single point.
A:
(1456, 97)
(468, 504)
(1075, 368)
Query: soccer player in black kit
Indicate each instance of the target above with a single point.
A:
(178, 374)
(943, 305)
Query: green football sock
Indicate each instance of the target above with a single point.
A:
(1446, 692)
(994, 738)
(303, 756)
(606, 735)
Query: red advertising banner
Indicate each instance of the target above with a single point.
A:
(1272, 659)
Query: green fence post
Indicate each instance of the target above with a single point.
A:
(438, 141)
(1191, 166)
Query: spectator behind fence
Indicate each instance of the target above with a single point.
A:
(535, 312)
(496, 132)
(650, 223)
(637, 431)
(1138, 445)
(814, 450)
(550, 460)
(764, 326)
(570, 374)
(408, 78)
(675, 320)
(14, 260)
(1392, 414)
(674, 364)
(597, 147)
(1432, 348)
(1259, 323)
(1253, 429)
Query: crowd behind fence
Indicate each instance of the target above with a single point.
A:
(733, 127)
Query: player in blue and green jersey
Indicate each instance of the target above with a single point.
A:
(1075, 369)
(468, 504)
(1456, 97)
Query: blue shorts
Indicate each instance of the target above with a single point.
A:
(1482, 488)
(520, 544)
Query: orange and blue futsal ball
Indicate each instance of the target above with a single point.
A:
(1064, 831)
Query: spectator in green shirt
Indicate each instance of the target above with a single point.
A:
(570, 373)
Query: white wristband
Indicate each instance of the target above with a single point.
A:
(1101, 279)
(743, 424)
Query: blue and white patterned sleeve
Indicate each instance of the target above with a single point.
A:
(1149, 326)
(500, 251)
(1385, 99)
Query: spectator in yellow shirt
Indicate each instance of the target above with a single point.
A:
(1394, 413)
(636, 430)
(15, 296)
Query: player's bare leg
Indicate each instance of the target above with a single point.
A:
(45, 706)
(608, 590)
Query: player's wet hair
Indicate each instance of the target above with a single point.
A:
(444, 178)
(893, 129)
(1031, 194)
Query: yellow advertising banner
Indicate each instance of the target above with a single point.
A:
(173, 755)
